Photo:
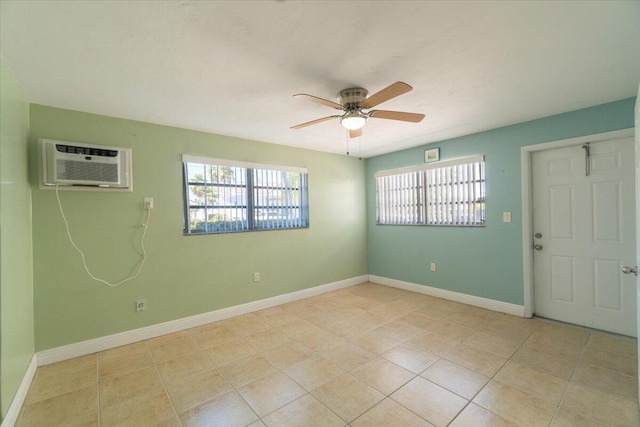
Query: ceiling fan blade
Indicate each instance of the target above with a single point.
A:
(355, 133)
(313, 122)
(396, 89)
(319, 100)
(396, 115)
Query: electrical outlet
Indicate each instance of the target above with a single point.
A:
(141, 305)
(148, 203)
(256, 277)
(433, 266)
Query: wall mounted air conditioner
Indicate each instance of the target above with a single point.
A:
(85, 165)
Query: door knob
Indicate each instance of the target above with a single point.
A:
(629, 270)
(537, 247)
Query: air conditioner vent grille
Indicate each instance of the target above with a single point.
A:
(86, 171)
(89, 167)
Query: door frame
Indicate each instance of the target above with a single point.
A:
(527, 201)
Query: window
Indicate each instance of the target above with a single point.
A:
(223, 196)
(444, 193)
(401, 198)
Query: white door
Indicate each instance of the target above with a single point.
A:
(584, 233)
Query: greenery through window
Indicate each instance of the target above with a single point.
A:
(443, 193)
(223, 196)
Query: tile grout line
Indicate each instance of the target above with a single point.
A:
(469, 401)
(568, 381)
(351, 370)
(309, 392)
(164, 386)
(222, 373)
(342, 374)
(573, 373)
(258, 353)
(611, 370)
(527, 339)
(216, 366)
(278, 370)
(419, 374)
(508, 359)
(379, 356)
(416, 375)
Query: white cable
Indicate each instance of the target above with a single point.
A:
(113, 285)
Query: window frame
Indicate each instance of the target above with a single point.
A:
(425, 204)
(250, 188)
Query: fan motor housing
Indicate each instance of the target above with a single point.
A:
(352, 98)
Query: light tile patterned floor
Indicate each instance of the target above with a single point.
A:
(368, 355)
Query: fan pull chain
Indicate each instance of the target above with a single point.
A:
(347, 142)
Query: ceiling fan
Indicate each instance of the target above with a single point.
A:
(354, 100)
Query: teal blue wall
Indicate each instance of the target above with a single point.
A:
(484, 261)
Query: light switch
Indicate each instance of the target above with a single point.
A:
(506, 216)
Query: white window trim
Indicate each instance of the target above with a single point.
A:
(428, 166)
(250, 208)
(186, 158)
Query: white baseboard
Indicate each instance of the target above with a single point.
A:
(489, 304)
(18, 400)
(83, 348)
(70, 351)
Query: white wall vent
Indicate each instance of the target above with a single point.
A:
(76, 164)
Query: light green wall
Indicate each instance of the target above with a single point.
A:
(183, 275)
(16, 270)
(486, 261)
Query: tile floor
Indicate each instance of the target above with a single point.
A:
(368, 355)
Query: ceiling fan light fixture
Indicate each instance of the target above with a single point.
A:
(353, 100)
(353, 121)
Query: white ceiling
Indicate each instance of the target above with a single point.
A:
(232, 67)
